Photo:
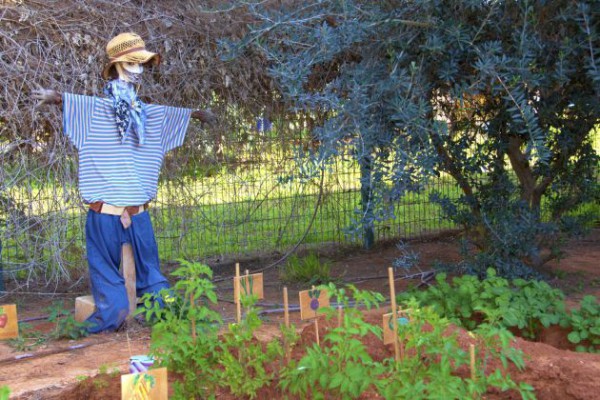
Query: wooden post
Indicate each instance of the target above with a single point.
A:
(192, 306)
(394, 313)
(236, 289)
(316, 324)
(286, 319)
(286, 310)
(340, 316)
(472, 357)
(128, 269)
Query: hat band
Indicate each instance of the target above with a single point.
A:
(132, 50)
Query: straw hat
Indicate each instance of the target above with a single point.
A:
(127, 47)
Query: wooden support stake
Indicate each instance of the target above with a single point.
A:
(128, 268)
(236, 288)
(192, 306)
(316, 324)
(472, 356)
(394, 313)
(286, 310)
(286, 319)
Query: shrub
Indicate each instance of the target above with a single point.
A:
(309, 270)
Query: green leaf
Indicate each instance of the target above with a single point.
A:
(574, 337)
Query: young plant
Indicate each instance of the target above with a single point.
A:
(340, 368)
(4, 392)
(244, 361)
(65, 324)
(184, 334)
(585, 325)
(531, 306)
(433, 358)
(28, 338)
(468, 301)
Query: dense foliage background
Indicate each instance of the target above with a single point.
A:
(374, 99)
(503, 96)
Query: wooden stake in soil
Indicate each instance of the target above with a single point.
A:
(192, 306)
(286, 319)
(236, 288)
(317, 326)
(286, 310)
(394, 313)
(340, 316)
(472, 356)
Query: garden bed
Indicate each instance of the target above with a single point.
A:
(551, 368)
(554, 373)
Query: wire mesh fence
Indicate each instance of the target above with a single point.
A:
(237, 202)
(224, 193)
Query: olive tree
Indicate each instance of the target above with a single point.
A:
(501, 96)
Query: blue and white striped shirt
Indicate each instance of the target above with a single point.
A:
(121, 174)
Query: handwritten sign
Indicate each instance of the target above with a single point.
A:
(388, 324)
(312, 302)
(151, 385)
(248, 285)
(9, 324)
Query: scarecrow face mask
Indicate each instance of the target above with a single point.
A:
(133, 68)
(129, 71)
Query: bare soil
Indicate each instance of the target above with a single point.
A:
(58, 369)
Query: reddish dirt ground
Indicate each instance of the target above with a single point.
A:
(56, 370)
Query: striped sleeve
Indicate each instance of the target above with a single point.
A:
(77, 114)
(174, 127)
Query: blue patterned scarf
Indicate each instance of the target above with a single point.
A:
(130, 112)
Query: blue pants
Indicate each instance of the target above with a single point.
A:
(105, 236)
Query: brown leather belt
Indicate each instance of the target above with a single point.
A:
(105, 208)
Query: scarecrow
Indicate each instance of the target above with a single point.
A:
(121, 143)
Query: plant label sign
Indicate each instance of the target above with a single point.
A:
(248, 285)
(9, 324)
(151, 385)
(312, 302)
(388, 324)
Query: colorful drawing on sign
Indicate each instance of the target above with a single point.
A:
(388, 324)
(151, 385)
(9, 324)
(250, 285)
(314, 299)
(142, 385)
(312, 302)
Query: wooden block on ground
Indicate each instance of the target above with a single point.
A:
(84, 307)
